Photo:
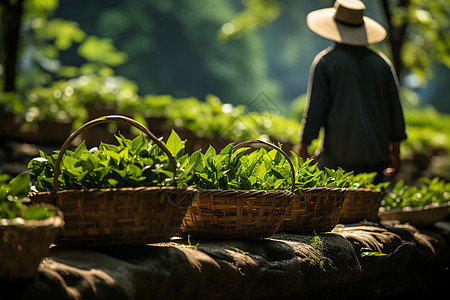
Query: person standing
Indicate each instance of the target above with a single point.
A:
(353, 93)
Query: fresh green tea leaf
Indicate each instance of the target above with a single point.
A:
(175, 145)
(19, 186)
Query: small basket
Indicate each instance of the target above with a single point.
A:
(101, 217)
(233, 214)
(361, 204)
(418, 216)
(315, 210)
(24, 244)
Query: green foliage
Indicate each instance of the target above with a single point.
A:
(64, 33)
(239, 250)
(365, 180)
(155, 105)
(10, 102)
(308, 175)
(257, 13)
(14, 188)
(236, 170)
(111, 91)
(317, 243)
(54, 102)
(259, 170)
(208, 118)
(427, 129)
(172, 47)
(189, 244)
(101, 51)
(369, 252)
(428, 26)
(46, 39)
(132, 163)
(12, 194)
(431, 191)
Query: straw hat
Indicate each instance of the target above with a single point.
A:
(345, 23)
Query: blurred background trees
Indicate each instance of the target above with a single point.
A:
(188, 61)
(233, 49)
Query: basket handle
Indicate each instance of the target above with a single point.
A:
(251, 142)
(105, 119)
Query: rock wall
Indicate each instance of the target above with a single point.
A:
(326, 266)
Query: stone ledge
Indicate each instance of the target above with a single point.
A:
(284, 266)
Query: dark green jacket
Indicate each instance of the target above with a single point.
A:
(353, 95)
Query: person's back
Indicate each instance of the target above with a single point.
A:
(362, 93)
(352, 93)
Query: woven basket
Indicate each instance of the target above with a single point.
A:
(232, 214)
(100, 217)
(315, 210)
(24, 244)
(361, 204)
(418, 216)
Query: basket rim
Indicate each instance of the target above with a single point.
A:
(366, 190)
(246, 191)
(413, 209)
(140, 188)
(53, 222)
(323, 189)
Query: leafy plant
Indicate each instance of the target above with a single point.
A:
(369, 252)
(238, 250)
(13, 192)
(10, 102)
(365, 180)
(132, 163)
(208, 118)
(189, 243)
(434, 190)
(308, 175)
(54, 102)
(110, 91)
(228, 169)
(155, 105)
(317, 243)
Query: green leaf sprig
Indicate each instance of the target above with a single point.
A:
(131, 163)
(365, 180)
(237, 170)
(430, 191)
(308, 175)
(13, 193)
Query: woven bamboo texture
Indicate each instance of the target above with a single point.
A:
(119, 216)
(102, 217)
(24, 245)
(231, 214)
(361, 204)
(315, 210)
(418, 216)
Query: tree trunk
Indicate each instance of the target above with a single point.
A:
(396, 35)
(11, 20)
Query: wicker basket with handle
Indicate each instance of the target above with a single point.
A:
(128, 215)
(232, 214)
(315, 210)
(361, 204)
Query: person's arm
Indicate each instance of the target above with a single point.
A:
(304, 151)
(317, 106)
(394, 156)
(397, 120)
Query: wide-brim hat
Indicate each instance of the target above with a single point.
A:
(346, 23)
